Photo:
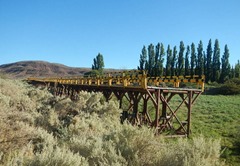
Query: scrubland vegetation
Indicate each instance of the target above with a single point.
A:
(39, 129)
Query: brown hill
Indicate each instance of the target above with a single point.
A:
(26, 69)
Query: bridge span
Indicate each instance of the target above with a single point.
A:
(168, 114)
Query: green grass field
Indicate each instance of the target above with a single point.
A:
(218, 116)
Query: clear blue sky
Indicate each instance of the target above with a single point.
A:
(73, 32)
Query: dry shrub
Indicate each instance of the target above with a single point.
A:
(43, 150)
(55, 155)
(14, 136)
(39, 129)
(138, 146)
(18, 114)
(196, 152)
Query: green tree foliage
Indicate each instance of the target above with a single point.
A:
(143, 59)
(209, 61)
(200, 59)
(230, 87)
(151, 59)
(237, 70)
(216, 62)
(159, 59)
(225, 73)
(232, 73)
(93, 73)
(204, 63)
(187, 65)
(98, 63)
(169, 61)
(193, 59)
(180, 61)
(157, 56)
(173, 61)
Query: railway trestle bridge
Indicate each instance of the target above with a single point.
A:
(169, 116)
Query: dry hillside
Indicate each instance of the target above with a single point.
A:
(26, 69)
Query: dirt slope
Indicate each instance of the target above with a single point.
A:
(26, 69)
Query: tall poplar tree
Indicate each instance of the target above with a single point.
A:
(216, 62)
(143, 59)
(180, 62)
(161, 60)
(237, 70)
(98, 63)
(151, 59)
(200, 59)
(205, 64)
(187, 66)
(209, 61)
(173, 61)
(193, 59)
(157, 55)
(232, 75)
(169, 61)
(225, 73)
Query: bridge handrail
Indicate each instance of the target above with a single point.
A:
(137, 79)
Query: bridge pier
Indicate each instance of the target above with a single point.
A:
(119, 95)
(107, 95)
(146, 119)
(163, 117)
(135, 98)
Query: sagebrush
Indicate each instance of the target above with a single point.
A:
(40, 129)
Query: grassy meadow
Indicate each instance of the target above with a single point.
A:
(39, 129)
(218, 116)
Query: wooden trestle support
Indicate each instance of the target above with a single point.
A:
(167, 116)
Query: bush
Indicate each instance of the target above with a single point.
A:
(195, 152)
(54, 155)
(39, 129)
(93, 73)
(231, 87)
(235, 81)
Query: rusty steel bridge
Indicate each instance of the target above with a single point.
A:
(167, 115)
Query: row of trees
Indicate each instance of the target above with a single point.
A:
(188, 60)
